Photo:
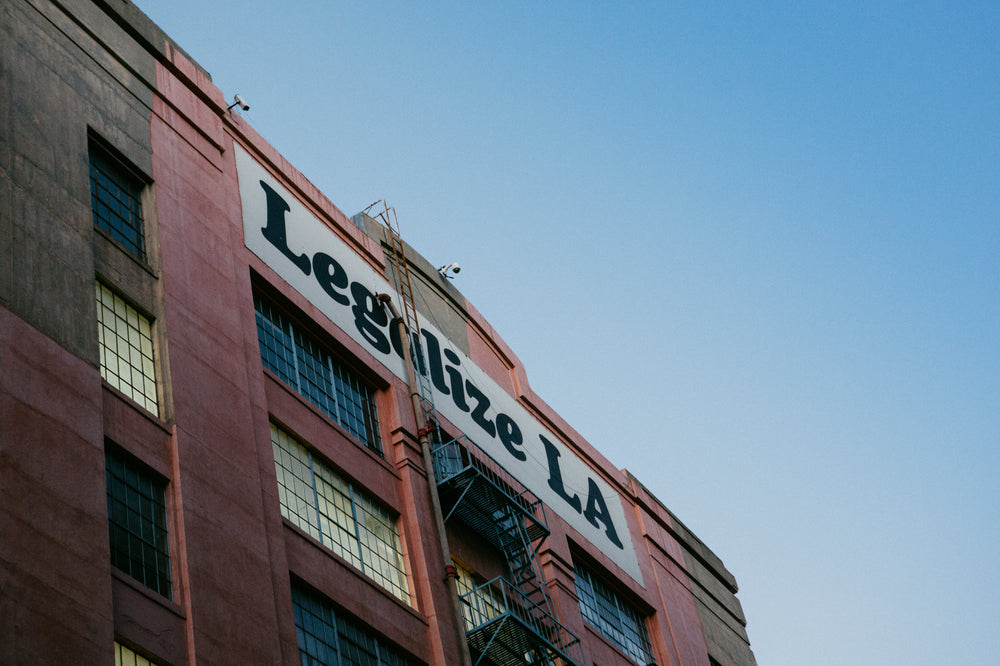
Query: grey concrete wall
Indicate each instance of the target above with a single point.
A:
(711, 585)
(714, 589)
(59, 76)
(437, 300)
(65, 71)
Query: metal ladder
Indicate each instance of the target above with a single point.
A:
(520, 553)
(387, 216)
(523, 563)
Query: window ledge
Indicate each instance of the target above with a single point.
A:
(381, 460)
(142, 411)
(326, 552)
(141, 263)
(614, 646)
(168, 604)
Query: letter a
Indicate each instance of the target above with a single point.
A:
(597, 510)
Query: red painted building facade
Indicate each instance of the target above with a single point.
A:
(209, 450)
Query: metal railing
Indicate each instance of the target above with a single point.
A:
(461, 454)
(488, 605)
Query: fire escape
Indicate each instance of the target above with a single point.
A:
(510, 620)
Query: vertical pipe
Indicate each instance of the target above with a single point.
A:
(451, 576)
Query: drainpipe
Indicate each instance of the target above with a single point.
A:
(451, 575)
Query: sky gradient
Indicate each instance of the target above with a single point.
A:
(750, 252)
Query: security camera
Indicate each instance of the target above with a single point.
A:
(238, 99)
(453, 267)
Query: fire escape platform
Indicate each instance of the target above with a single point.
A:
(516, 631)
(476, 490)
(505, 641)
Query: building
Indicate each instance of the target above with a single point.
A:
(215, 447)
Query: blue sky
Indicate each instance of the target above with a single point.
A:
(750, 251)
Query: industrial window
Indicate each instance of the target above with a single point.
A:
(303, 363)
(613, 617)
(115, 193)
(126, 657)
(137, 520)
(480, 602)
(328, 637)
(126, 346)
(325, 505)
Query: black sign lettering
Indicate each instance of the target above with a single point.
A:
(597, 512)
(457, 385)
(434, 362)
(331, 274)
(510, 436)
(370, 317)
(479, 413)
(555, 475)
(274, 231)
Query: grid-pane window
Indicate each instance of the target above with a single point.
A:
(126, 657)
(331, 638)
(126, 344)
(347, 521)
(480, 603)
(115, 195)
(137, 521)
(303, 363)
(613, 617)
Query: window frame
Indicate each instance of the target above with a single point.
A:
(480, 602)
(342, 629)
(345, 519)
(147, 397)
(126, 656)
(130, 187)
(136, 476)
(634, 641)
(296, 355)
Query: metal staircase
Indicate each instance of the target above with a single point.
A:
(510, 620)
(521, 628)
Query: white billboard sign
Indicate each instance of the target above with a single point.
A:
(319, 265)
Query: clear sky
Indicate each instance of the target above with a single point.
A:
(751, 251)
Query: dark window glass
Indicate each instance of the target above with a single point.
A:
(613, 617)
(115, 201)
(302, 362)
(137, 521)
(330, 638)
